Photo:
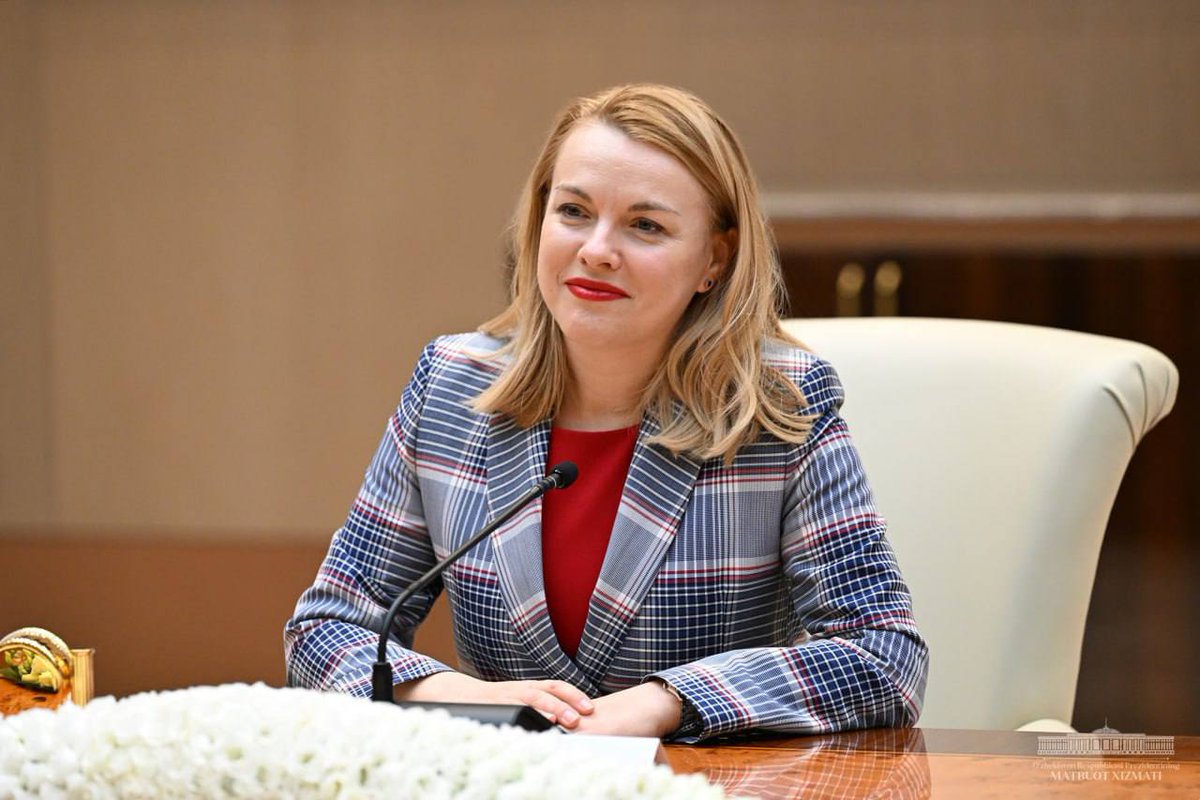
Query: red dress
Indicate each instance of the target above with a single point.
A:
(578, 521)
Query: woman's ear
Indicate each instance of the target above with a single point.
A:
(724, 245)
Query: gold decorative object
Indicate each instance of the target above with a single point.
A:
(82, 685)
(40, 671)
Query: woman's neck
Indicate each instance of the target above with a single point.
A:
(605, 390)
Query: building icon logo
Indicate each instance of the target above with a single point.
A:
(1106, 742)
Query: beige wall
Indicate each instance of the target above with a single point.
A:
(227, 229)
(26, 483)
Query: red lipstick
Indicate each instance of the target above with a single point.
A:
(586, 289)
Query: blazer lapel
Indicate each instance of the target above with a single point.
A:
(516, 460)
(653, 503)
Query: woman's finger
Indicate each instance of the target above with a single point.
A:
(573, 696)
(550, 705)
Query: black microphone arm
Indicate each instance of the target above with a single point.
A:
(560, 477)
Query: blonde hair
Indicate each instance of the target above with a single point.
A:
(713, 393)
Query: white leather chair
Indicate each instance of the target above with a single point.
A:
(995, 451)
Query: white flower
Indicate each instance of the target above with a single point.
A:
(254, 741)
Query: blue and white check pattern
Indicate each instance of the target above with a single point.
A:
(763, 590)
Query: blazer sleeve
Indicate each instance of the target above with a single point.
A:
(860, 661)
(331, 640)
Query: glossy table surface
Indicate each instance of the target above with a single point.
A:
(15, 699)
(936, 763)
(900, 763)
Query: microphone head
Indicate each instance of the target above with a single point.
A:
(564, 474)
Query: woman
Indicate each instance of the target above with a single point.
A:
(719, 565)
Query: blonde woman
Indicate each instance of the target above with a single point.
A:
(719, 565)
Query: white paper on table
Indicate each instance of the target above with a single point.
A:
(620, 751)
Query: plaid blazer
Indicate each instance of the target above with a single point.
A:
(763, 590)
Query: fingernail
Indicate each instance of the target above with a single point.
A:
(586, 704)
(569, 717)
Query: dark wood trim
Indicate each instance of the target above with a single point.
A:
(1045, 236)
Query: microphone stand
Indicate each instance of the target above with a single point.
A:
(560, 477)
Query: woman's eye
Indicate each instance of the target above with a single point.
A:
(647, 226)
(570, 210)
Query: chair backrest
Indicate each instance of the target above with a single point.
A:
(995, 451)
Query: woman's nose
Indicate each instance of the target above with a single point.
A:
(599, 249)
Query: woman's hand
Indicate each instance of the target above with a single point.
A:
(647, 709)
(558, 701)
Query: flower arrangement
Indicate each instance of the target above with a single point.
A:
(256, 741)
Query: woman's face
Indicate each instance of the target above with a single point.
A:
(626, 243)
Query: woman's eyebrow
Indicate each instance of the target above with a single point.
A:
(643, 205)
(647, 205)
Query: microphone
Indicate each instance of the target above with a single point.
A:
(560, 477)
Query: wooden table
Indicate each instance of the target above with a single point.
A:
(901, 764)
(934, 763)
(15, 699)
